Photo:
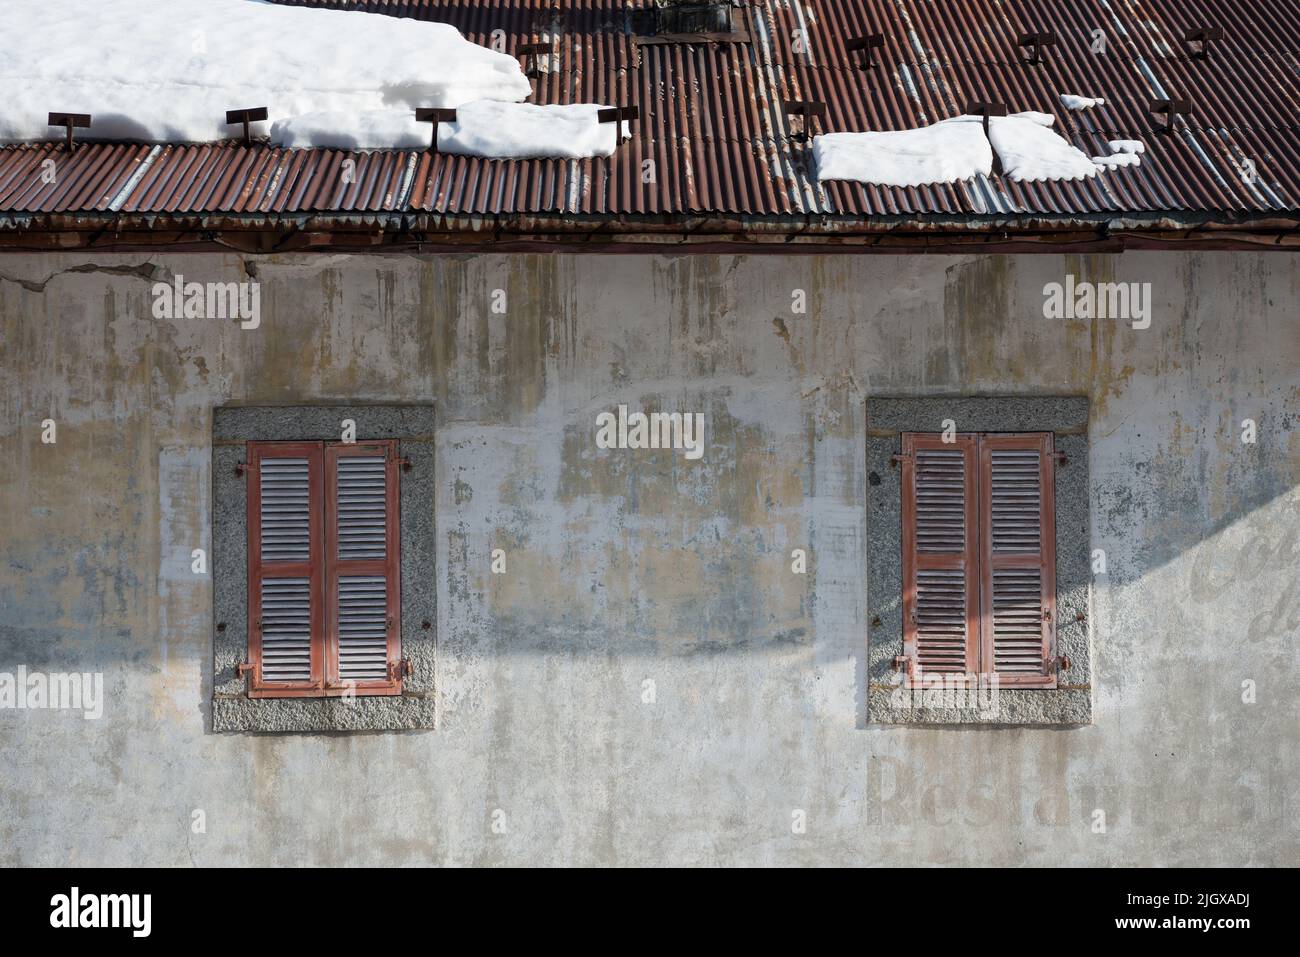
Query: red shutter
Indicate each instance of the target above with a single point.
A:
(286, 607)
(940, 555)
(362, 630)
(1018, 573)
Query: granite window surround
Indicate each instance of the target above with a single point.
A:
(888, 702)
(234, 426)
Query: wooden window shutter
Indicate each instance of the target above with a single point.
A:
(362, 541)
(286, 607)
(1018, 566)
(940, 556)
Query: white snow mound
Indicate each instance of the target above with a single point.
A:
(368, 130)
(1073, 101)
(951, 151)
(1030, 152)
(945, 152)
(1127, 146)
(526, 130)
(482, 128)
(1116, 160)
(167, 70)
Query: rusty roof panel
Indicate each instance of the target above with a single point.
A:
(713, 138)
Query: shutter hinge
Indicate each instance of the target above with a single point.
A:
(241, 468)
(904, 663)
(405, 462)
(897, 458)
(1061, 460)
(1060, 661)
(242, 669)
(400, 669)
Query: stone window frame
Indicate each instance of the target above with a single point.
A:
(1066, 417)
(412, 426)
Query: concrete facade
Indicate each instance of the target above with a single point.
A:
(648, 681)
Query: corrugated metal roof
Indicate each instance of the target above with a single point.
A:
(712, 137)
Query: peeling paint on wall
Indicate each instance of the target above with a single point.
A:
(629, 567)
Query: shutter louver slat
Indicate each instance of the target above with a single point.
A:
(940, 500)
(941, 620)
(1016, 502)
(363, 630)
(1017, 621)
(285, 510)
(286, 629)
(361, 507)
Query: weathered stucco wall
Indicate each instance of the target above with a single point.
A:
(625, 567)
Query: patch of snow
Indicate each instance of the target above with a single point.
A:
(945, 152)
(167, 70)
(1042, 119)
(1118, 159)
(1031, 152)
(1127, 146)
(482, 128)
(526, 130)
(952, 150)
(1073, 101)
(368, 130)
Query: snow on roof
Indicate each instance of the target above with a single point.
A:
(168, 70)
(1032, 152)
(482, 128)
(1072, 101)
(956, 149)
(945, 152)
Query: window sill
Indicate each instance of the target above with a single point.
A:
(1062, 706)
(239, 713)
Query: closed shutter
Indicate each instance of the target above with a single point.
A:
(1018, 574)
(362, 544)
(285, 571)
(940, 556)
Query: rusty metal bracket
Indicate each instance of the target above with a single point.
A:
(405, 463)
(532, 53)
(807, 110)
(619, 114)
(400, 669)
(867, 43)
(987, 109)
(1060, 661)
(1171, 108)
(434, 115)
(1061, 460)
(1036, 41)
(70, 121)
(897, 459)
(246, 117)
(242, 669)
(241, 469)
(1203, 36)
